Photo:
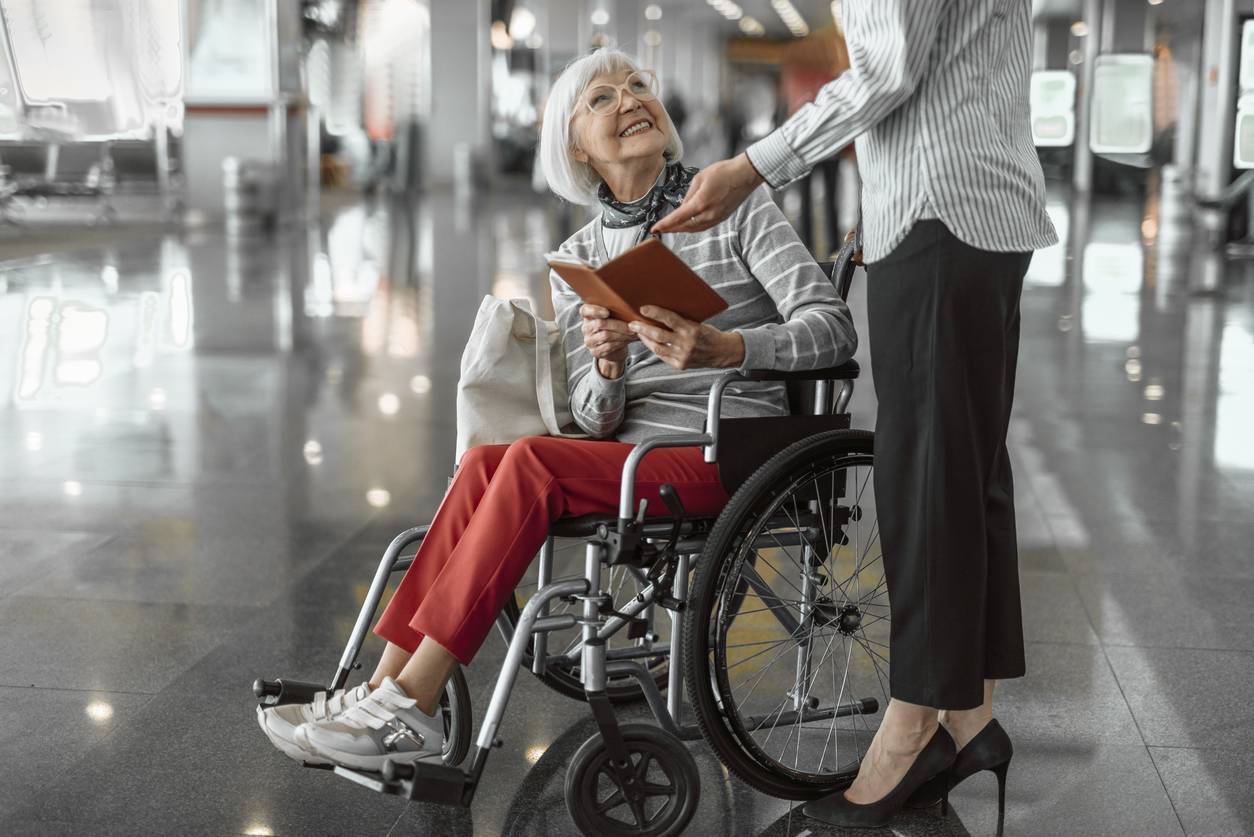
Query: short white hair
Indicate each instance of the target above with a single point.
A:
(575, 181)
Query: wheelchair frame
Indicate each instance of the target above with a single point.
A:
(614, 543)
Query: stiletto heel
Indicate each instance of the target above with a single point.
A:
(931, 762)
(1000, 772)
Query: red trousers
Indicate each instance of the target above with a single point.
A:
(496, 516)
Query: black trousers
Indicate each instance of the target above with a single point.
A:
(944, 321)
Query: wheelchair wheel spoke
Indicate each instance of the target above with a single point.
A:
(776, 570)
(767, 668)
(610, 802)
(753, 644)
(805, 702)
(758, 654)
(637, 811)
(879, 672)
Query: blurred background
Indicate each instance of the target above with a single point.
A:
(242, 243)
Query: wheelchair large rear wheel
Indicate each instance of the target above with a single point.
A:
(786, 632)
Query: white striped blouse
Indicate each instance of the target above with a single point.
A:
(936, 98)
(779, 301)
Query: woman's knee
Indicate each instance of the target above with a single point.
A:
(482, 459)
(533, 451)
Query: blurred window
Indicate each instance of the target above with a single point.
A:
(1122, 113)
(230, 51)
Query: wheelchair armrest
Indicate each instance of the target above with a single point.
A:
(847, 371)
(627, 488)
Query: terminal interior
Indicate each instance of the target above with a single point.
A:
(242, 243)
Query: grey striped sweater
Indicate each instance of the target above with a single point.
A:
(778, 299)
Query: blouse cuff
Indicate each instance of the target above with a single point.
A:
(775, 160)
(759, 349)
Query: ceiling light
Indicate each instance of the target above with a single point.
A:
(378, 497)
(600, 17)
(73, 488)
(791, 17)
(1079, 29)
(420, 384)
(653, 38)
(653, 11)
(750, 26)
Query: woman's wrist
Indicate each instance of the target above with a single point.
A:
(733, 349)
(750, 172)
(609, 369)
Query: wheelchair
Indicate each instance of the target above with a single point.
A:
(771, 616)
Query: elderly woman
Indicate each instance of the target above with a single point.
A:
(606, 143)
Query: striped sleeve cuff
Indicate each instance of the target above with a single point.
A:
(759, 349)
(605, 394)
(775, 160)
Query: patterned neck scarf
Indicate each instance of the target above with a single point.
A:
(667, 193)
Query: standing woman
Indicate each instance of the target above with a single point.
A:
(953, 204)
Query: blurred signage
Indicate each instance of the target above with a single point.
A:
(1246, 76)
(1243, 142)
(1122, 107)
(1052, 101)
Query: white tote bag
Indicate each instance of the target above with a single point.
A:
(513, 378)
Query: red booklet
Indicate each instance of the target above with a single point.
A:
(647, 274)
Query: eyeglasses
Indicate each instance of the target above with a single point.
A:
(605, 99)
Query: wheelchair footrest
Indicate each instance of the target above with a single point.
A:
(436, 783)
(422, 781)
(373, 781)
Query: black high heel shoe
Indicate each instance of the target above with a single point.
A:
(989, 750)
(932, 761)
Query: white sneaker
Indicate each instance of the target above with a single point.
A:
(279, 723)
(385, 726)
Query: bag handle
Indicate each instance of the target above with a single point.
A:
(544, 368)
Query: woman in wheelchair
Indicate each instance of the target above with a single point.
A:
(607, 143)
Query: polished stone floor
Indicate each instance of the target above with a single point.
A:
(206, 444)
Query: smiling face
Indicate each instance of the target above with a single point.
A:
(633, 134)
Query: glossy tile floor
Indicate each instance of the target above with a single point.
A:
(205, 446)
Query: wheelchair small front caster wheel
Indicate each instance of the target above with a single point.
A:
(654, 795)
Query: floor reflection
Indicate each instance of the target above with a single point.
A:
(205, 443)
